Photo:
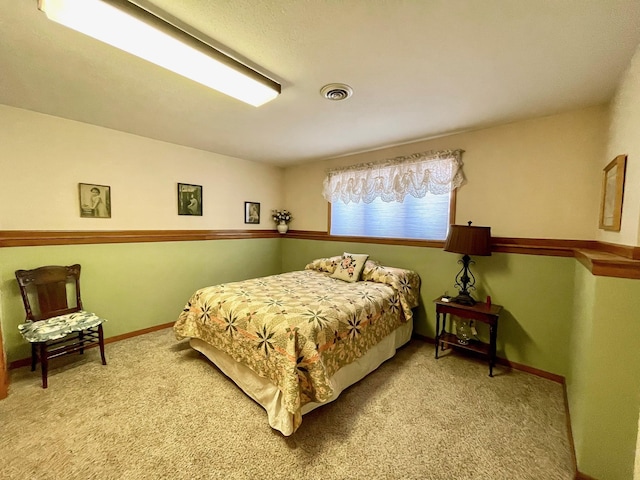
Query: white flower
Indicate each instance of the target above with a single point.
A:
(282, 215)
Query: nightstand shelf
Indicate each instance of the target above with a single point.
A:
(481, 312)
(473, 345)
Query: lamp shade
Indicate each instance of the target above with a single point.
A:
(469, 240)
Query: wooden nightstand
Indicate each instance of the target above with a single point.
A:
(482, 313)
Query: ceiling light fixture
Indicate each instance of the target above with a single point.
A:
(133, 29)
(336, 91)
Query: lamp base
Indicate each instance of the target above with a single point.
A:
(464, 299)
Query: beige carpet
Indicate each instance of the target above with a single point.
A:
(159, 410)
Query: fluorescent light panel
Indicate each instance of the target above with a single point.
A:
(132, 29)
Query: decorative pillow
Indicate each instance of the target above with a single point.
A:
(324, 264)
(370, 266)
(350, 267)
(405, 282)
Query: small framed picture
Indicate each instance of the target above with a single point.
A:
(612, 192)
(251, 212)
(95, 200)
(189, 199)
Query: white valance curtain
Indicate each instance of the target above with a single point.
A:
(393, 179)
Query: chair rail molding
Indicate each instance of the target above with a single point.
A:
(601, 258)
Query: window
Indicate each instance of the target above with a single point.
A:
(405, 197)
(425, 218)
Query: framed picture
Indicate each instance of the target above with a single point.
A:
(612, 193)
(251, 212)
(95, 200)
(189, 199)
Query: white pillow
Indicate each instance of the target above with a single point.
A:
(350, 267)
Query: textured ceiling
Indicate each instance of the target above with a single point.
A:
(419, 69)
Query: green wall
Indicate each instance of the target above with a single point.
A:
(603, 383)
(578, 378)
(536, 293)
(134, 285)
(558, 317)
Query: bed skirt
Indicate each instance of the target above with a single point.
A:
(269, 396)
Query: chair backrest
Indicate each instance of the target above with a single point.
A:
(46, 291)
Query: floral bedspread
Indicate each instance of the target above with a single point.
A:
(297, 329)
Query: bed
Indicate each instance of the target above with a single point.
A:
(294, 341)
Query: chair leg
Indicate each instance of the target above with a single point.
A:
(34, 357)
(44, 363)
(101, 343)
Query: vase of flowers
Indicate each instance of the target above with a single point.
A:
(282, 219)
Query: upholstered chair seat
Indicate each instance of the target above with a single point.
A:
(59, 327)
(53, 326)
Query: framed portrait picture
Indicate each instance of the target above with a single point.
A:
(189, 199)
(251, 212)
(612, 193)
(95, 200)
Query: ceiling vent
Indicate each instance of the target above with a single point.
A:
(336, 91)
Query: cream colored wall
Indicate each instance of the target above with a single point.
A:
(535, 178)
(43, 158)
(624, 139)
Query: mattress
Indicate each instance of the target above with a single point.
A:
(269, 396)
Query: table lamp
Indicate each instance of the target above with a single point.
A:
(467, 240)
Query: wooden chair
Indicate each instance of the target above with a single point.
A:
(53, 327)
